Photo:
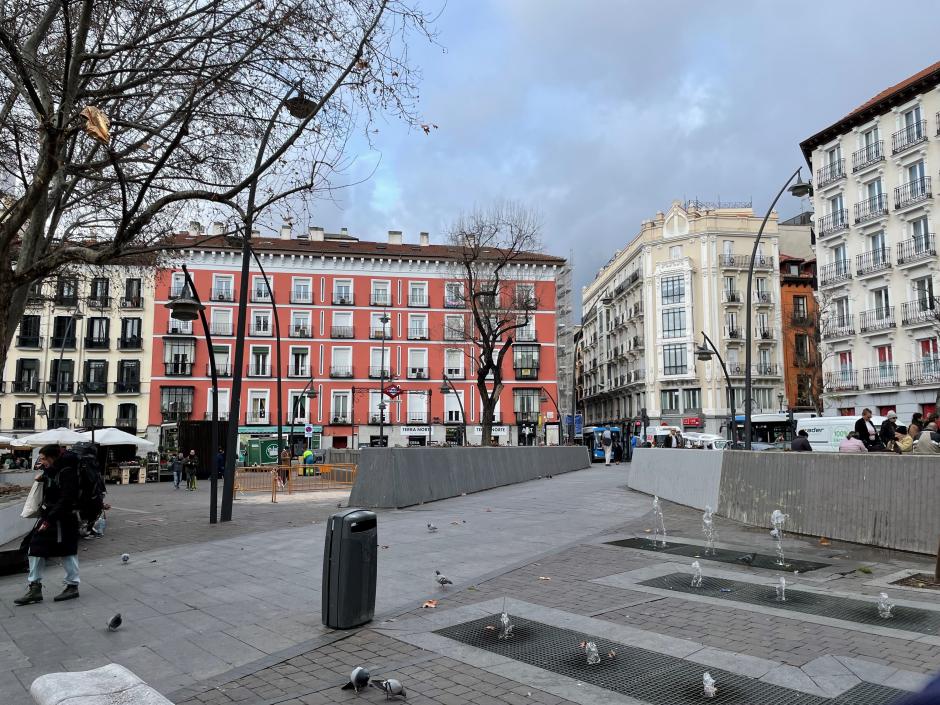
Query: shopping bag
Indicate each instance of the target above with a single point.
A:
(33, 501)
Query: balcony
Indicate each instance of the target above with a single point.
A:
(417, 373)
(637, 343)
(420, 333)
(299, 331)
(763, 334)
(127, 387)
(830, 173)
(454, 303)
(835, 272)
(222, 369)
(24, 386)
(763, 298)
(99, 302)
(876, 319)
(872, 261)
(527, 372)
(866, 156)
(223, 294)
(415, 417)
(221, 329)
(453, 333)
(301, 297)
(920, 311)
(453, 372)
(260, 295)
(380, 373)
(341, 372)
(838, 327)
(912, 192)
(833, 223)
(340, 417)
(258, 369)
(57, 342)
(840, 381)
(342, 298)
(24, 423)
(380, 333)
(63, 387)
(341, 332)
(176, 291)
(260, 331)
(418, 300)
(171, 415)
(766, 369)
(880, 377)
(907, 137)
(925, 371)
(133, 342)
(29, 341)
(66, 300)
(256, 417)
(731, 297)
(98, 343)
(174, 327)
(917, 249)
(380, 298)
(126, 423)
(95, 386)
(734, 333)
(800, 318)
(57, 421)
(871, 208)
(223, 415)
(178, 369)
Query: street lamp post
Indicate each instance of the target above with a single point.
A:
(77, 315)
(546, 395)
(79, 397)
(277, 340)
(446, 388)
(309, 392)
(187, 308)
(704, 354)
(384, 320)
(799, 189)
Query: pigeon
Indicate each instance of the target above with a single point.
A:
(393, 688)
(746, 558)
(125, 557)
(358, 679)
(442, 580)
(115, 622)
(431, 527)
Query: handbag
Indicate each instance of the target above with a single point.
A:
(33, 501)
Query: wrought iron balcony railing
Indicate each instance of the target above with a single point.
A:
(917, 249)
(912, 192)
(830, 173)
(873, 261)
(871, 154)
(907, 137)
(871, 208)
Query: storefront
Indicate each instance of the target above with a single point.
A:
(499, 433)
(415, 436)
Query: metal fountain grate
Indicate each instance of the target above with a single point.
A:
(645, 675)
(909, 619)
(722, 555)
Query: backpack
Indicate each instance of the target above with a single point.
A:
(606, 438)
(91, 488)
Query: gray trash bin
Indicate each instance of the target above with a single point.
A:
(350, 562)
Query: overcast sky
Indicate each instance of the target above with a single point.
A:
(598, 113)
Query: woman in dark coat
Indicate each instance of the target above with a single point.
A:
(55, 534)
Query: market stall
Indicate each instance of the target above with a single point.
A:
(120, 450)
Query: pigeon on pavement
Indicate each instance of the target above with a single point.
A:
(358, 679)
(442, 580)
(115, 622)
(747, 558)
(125, 557)
(431, 527)
(392, 687)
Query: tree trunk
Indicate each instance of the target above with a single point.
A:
(489, 399)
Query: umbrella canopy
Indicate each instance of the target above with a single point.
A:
(6, 440)
(116, 437)
(59, 436)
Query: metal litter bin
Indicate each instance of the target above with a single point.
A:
(350, 562)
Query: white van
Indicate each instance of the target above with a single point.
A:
(827, 432)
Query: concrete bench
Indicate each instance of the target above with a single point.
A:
(109, 685)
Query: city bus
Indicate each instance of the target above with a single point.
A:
(592, 439)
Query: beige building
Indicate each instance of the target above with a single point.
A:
(877, 252)
(81, 335)
(644, 314)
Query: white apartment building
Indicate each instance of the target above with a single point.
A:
(83, 335)
(876, 250)
(645, 312)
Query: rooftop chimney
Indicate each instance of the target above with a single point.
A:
(344, 231)
(394, 237)
(316, 233)
(425, 239)
(218, 227)
(285, 231)
(195, 227)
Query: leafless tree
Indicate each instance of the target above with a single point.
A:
(491, 243)
(121, 118)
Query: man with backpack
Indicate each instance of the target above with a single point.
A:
(192, 469)
(607, 443)
(55, 534)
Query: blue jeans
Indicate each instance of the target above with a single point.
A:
(176, 479)
(37, 565)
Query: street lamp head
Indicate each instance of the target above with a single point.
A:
(185, 308)
(703, 353)
(78, 398)
(384, 318)
(801, 188)
(445, 389)
(311, 394)
(78, 314)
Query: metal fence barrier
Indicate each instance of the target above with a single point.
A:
(294, 478)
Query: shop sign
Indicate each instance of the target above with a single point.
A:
(494, 430)
(693, 421)
(416, 430)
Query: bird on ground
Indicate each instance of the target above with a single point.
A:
(115, 622)
(358, 679)
(392, 687)
(442, 580)
(431, 527)
(746, 558)
(125, 557)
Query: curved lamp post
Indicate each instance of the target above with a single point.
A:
(446, 388)
(545, 396)
(80, 397)
(311, 394)
(188, 307)
(384, 318)
(703, 353)
(799, 189)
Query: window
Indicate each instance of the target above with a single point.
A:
(260, 323)
(98, 295)
(381, 293)
(417, 293)
(674, 323)
(673, 290)
(452, 406)
(417, 363)
(342, 291)
(453, 295)
(801, 347)
(525, 297)
(96, 335)
(834, 155)
(223, 404)
(29, 332)
(884, 355)
(221, 321)
(259, 365)
(453, 328)
(339, 407)
(669, 400)
(764, 397)
(96, 376)
(841, 308)
(259, 289)
(62, 376)
(378, 328)
(873, 190)
(525, 403)
(223, 287)
(128, 377)
(341, 364)
(27, 376)
(378, 363)
(692, 399)
(923, 292)
(297, 407)
(675, 252)
(178, 356)
(730, 286)
(301, 291)
(920, 231)
(378, 410)
(63, 332)
(222, 365)
(257, 407)
(300, 324)
(342, 325)
(794, 270)
(299, 362)
(66, 293)
(836, 206)
(674, 360)
(133, 293)
(882, 302)
(525, 356)
(800, 311)
(24, 417)
(453, 364)
(176, 402)
(526, 331)
(804, 390)
(418, 407)
(417, 327)
(131, 333)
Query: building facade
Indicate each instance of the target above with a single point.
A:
(644, 314)
(801, 359)
(83, 336)
(331, 293)
(876, 250)
(565, 351)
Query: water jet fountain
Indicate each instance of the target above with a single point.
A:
(708, 528)
(885, 605)
(709, 687)
(777, 519)
(658, 511)
(505, 626)
(782, 590)
(696, 574)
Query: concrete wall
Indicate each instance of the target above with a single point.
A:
(402, 477)
(12, 525)
(878, 499)
(689, 477)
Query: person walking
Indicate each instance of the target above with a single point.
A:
(801, 442)
(55, 534)
(607, 443)
(220, 463)
(852, 444)
(176, 467)
(192, 466)
(618, 452)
